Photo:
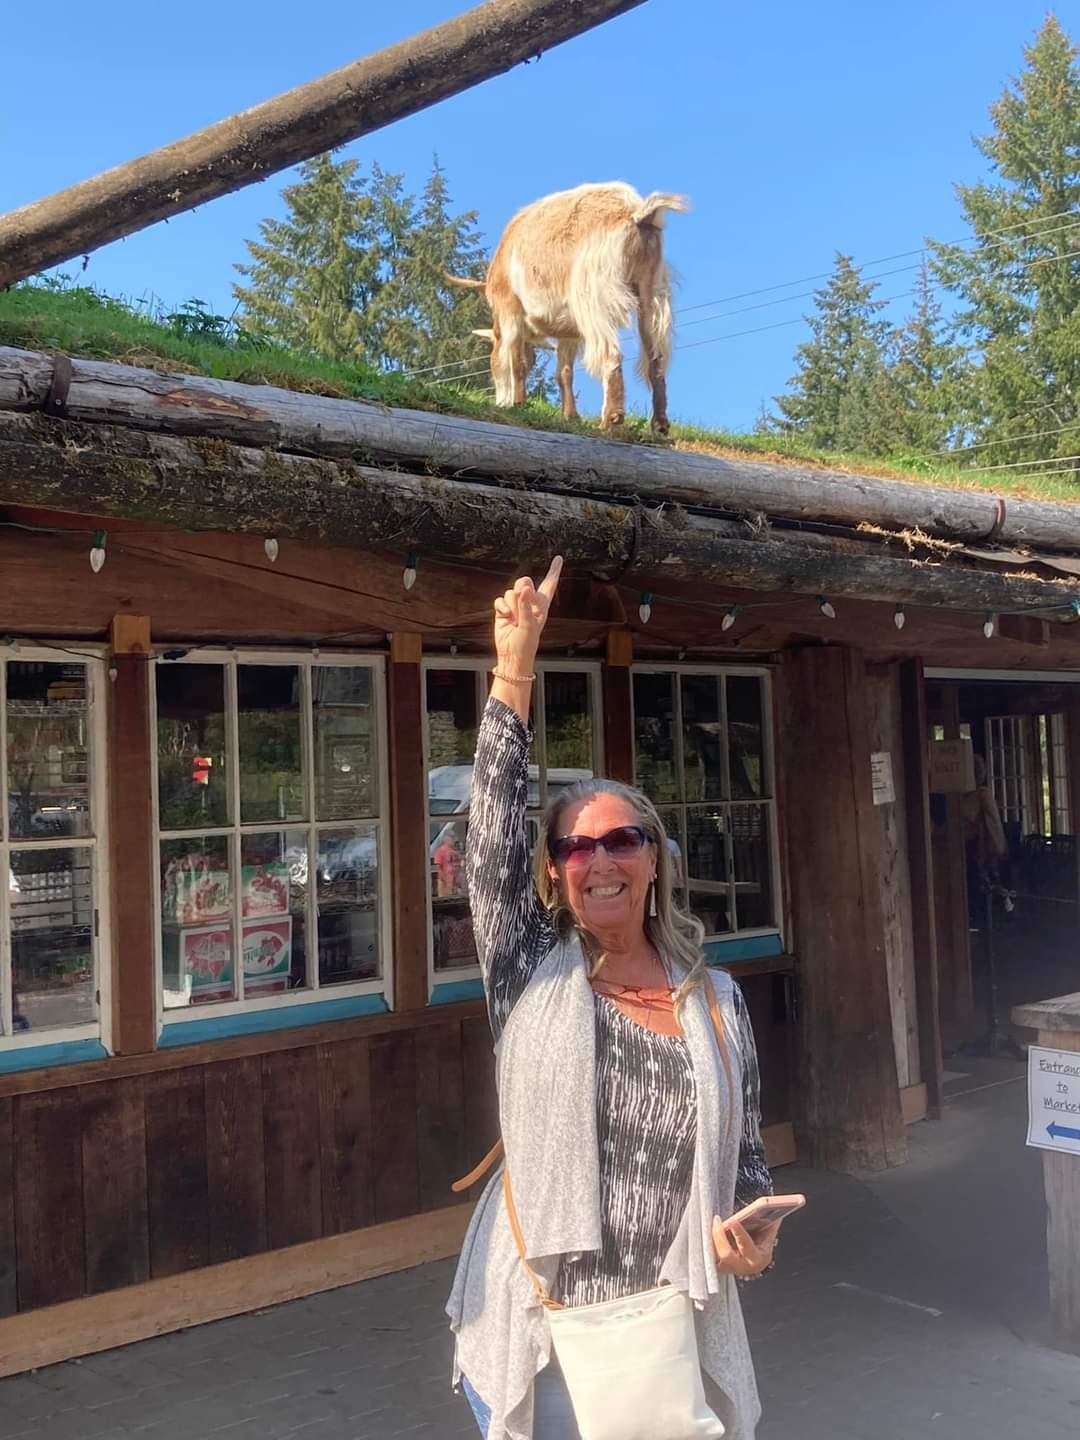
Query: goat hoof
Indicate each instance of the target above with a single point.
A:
(611, 422)
(660, 425)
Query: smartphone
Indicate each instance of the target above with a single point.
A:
(766, 1211)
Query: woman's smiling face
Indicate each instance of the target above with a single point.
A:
(606, 895)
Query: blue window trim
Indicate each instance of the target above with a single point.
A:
(753, 947)
(259, 1022)
(452, 992)
(42, 1057)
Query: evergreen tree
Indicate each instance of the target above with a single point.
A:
(836, 397)
(925, 378)
(430, 321)
(1019, 287)
(316, 273)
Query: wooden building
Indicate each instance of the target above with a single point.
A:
(243, 1051)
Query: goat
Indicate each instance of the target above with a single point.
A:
(573, 268)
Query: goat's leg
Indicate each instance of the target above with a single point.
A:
(566, 355)
(519, 369)
(654, 331)
(614, 407)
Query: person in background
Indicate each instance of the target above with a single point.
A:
(627, 1136)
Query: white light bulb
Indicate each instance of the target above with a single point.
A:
(408, 575)
(826, 608)
(988, 625)
(644, 610)
(899, 619)
(270, 545)
(729, 619)
(97, 551)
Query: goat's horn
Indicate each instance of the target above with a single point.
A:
(466, 284)
(486, 335)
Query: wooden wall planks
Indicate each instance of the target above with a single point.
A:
(176, 1173)
(114, 1190)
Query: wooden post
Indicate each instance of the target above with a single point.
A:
(851, 1116)
(349, 102)
(1072, 763)
(619, 707)
(133, 860)
(408, 820)
(1058, 1025)
(957, 983)
(921, 865)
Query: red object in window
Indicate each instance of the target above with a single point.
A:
(200, 769)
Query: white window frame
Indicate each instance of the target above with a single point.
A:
(482, 667)
(1010, 742)
(312, 993)
(757, 672)
(93, 657)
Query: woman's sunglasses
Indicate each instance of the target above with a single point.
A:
(620, 844)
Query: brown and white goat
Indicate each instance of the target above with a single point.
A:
(573, 268)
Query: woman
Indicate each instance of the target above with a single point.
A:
(625, 1142)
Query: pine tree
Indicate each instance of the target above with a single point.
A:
(836, 400)
(926, 377)
(429, 321)
(316, 273)
(1019, 287)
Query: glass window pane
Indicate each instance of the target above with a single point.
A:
(346, 785)
(193, 776)
(271, 751)
(568, 728)
(672, 823)
(196, 921)
(48, 779)
(51, 893)
(348, 895)
(452, 928)
(753, 871)
(706, 863)
(703, 739)
(654, 737)
(273, 908)
(746, 737)
(452, 723)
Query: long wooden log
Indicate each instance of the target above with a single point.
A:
(195, 483)
(453, 445)
(351, 101)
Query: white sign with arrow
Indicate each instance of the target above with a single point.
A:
(1054, 1099)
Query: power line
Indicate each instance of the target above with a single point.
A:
(882, 275)
(1062, 460)
(884, 260)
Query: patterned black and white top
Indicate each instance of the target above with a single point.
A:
(645, 1091)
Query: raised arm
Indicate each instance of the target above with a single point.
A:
(510, 923)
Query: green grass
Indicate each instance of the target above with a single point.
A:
(83, 322)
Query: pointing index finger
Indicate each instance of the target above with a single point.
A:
(550, 582)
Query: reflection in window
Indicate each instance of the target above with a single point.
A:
(563, 752)
(286, 896)
(701, 755)
(48, 967)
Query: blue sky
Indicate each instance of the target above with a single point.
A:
(795, 129)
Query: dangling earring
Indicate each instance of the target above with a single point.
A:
(652, 900)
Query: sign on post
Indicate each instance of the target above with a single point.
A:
(952, 767)
(1054, 1099)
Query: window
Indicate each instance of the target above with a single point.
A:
(50, 935)
(702, 753)
(272, 845)
(566, 748)
(1055, 748)
(1010, 752)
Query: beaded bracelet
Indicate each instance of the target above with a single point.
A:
(513, 679)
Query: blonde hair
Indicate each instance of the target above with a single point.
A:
(675, 935)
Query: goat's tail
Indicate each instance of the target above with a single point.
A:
(464, 282)
(652, 208)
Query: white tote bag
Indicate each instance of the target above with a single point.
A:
(632, 1368)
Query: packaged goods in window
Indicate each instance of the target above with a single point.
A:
(267, 947)
(194, 893)
(206, 966)
(265, 889)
